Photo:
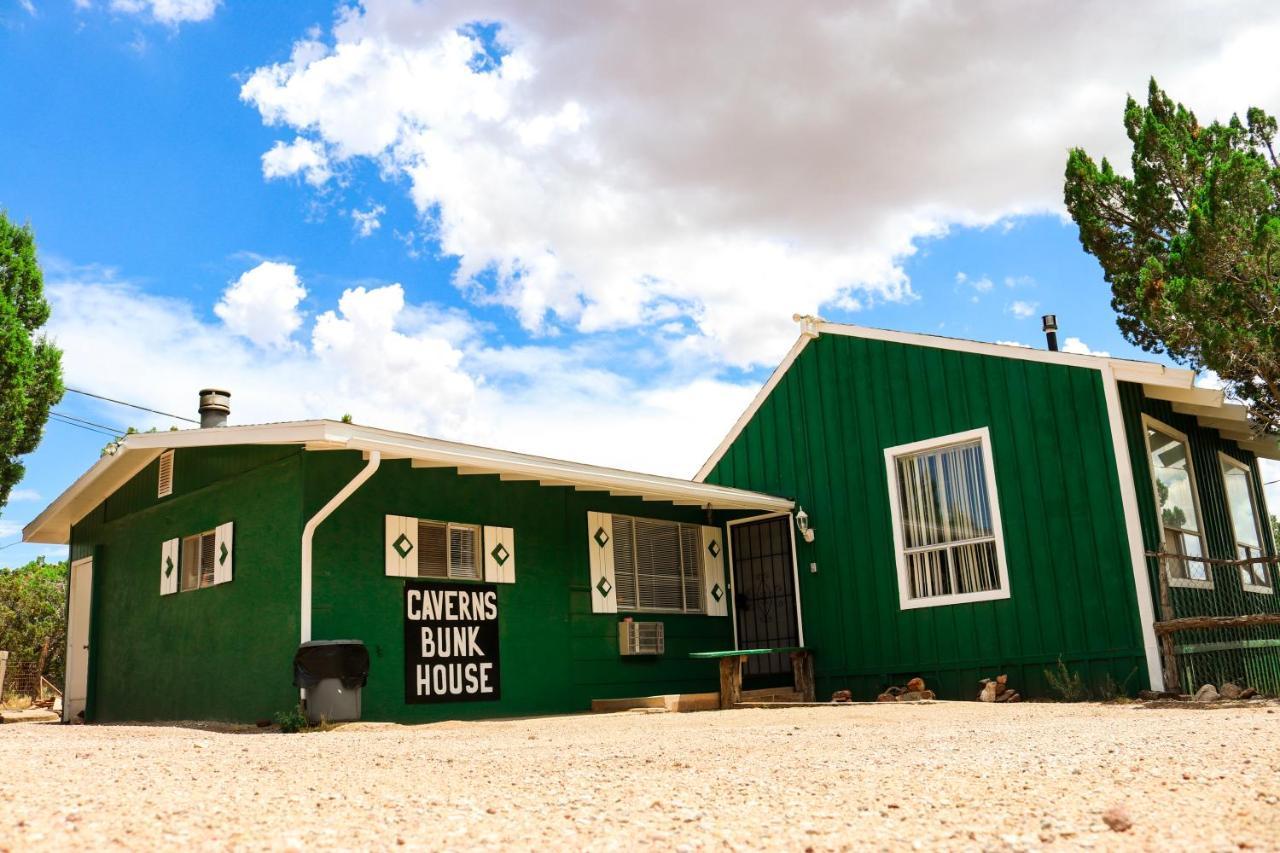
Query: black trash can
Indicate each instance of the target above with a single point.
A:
(332, 671)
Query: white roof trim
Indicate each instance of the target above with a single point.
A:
(53, 525)
(1169, 383)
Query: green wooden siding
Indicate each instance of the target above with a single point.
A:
(820, 439)
(1247, 655)
(226, 652)
(556, 655)
(217, 653)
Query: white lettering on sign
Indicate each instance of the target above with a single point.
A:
(451, 639)
(453, 679)
(451, 642)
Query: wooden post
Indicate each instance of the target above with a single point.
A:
(1166, 640)
(730, 681)
(802, 669)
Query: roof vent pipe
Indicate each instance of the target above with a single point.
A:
(1050, 322)
(215, 405)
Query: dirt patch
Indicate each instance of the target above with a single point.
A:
(899, 776)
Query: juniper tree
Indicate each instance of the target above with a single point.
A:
(30, 365)
(1190, 243)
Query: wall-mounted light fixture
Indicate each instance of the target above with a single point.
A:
(802, 524)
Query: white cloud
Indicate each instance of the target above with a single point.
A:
(28, 6)
(367, 221)
(262, 305)
(1209, 379)
(1022, 309)
(303, 156)
(389, 363)
(980, 285)
(171, 12)
(1014, 344)
(1019, 281)
(1079, 347)
(627, 157)
(18, 495)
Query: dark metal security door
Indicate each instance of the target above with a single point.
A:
(765, 592)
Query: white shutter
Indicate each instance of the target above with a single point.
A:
(604, 598)
(499, 555)
(715, 590)
(169, 568)
(222, 553)
(402, 546)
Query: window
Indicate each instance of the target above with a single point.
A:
(657, 565)
(946, 521)
(1237, 478)
(164, 484)
(197, 560)
(1175, 484)
(448, 550)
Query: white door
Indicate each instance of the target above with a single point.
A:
(77, 686)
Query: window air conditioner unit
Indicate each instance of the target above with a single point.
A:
(641, 638)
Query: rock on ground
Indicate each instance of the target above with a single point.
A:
(892, 776)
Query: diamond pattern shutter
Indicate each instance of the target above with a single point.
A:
(499, 555)
(600, 550)
(169, 568)
(402, 546)
(717, 591)
(222, 553)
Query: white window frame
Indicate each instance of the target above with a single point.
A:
(891, 455)
(1148, 424)
(699, 571)
(449, 527)
(1226, 461)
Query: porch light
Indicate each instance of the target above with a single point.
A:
(802, 524)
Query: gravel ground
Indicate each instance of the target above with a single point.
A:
(945, 775)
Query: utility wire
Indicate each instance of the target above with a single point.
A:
(57, 419)
(132, 405)
(65, 416)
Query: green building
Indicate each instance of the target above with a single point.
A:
(901, 504)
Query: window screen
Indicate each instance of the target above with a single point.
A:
(657, 565)
(1176, 500)
(1238, 480)
(948, 534)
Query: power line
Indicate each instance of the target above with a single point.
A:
(65, 416)
(58, 419)
(132, 405)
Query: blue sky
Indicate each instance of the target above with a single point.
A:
(577, 235)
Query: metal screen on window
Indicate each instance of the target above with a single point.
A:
(948, 535)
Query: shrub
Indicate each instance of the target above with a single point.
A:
(1067, 684)
(291, 721)
(16, 702)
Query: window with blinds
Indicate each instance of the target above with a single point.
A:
(657, 565)
(448, 550)
(947, 522)
(197, 560)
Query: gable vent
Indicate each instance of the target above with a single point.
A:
(164, 486)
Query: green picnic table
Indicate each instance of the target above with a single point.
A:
(731, 670)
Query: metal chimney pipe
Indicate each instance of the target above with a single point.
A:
(215, 406)
(1050, 325)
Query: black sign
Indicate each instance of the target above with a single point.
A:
(450, 642)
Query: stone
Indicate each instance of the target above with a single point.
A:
(1117, 818)
(1248, 693)
(1207, 693)
(915, 685)
(1002, 680)
(886, 697)
(911, 696)
(1230, 690)
(990, 691)
(842, 696)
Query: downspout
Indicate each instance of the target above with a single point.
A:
(309, 532)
